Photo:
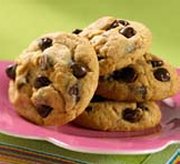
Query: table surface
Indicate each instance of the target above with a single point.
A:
(22, 21)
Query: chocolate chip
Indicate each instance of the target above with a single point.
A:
(131, 115)
(113, 25)
(123, 22)
(45, 43)
(142, 106)
(11, 71)
(100, 57)
(156, 63)
(44, 110)
(162, 74)
(77, 31)
(78, 70)
(128, 32)
(89, 109)
(142, 90)
(97, 98)
(41, 81)
(116, 24)
(127, 74)
(45, 62)
(74, 91)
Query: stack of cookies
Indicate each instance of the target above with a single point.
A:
(131, 79)
(102, 77)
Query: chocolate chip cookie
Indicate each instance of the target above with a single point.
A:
(54, 79)
(149, 78)
(102, 114)
(117, 42)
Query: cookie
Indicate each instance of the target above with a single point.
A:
(149, 78)
(105, 115)
(117, 42)
(54, 79)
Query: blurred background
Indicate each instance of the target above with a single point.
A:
(21, 21)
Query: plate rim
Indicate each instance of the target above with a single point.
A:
(81, 150)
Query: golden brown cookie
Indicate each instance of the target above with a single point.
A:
(54, 79)
(117, 42)
(149, 78)
(119, 116)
